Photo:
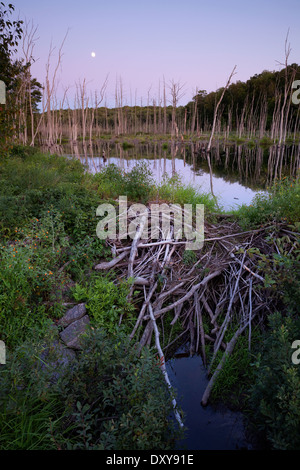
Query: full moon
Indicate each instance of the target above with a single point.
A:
(93, 54)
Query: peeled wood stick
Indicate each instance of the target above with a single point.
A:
(173, 242)
(145, 336)
(227, 352)
(200, 322)
(147, 299)
(180, 284)
(247, 269)
(250, 313)
(237, 234)
(209, 310)
(227, 317)
(133, 250)
(112, 263)
(161, 242)
(144, 306)
(190, 293)
(141, 281)
(192, 337)
(163, 365)
(177, 313)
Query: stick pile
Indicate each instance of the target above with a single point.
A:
(211, 292)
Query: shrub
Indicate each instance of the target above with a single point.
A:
(110, 182)
(275, 395)
(106, 302)
(28, 276)
(136, 184)
(139, 183)
(110, 398)
(281, 203)
(174, 191)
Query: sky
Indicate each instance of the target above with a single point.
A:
(193, 42)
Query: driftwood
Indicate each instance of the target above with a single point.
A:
(209, 292)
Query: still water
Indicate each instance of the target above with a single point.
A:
(234, 174)
(208, 428)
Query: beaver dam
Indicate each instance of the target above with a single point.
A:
(210, 292)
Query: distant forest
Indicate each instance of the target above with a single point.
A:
(260, 107)
(33, 114)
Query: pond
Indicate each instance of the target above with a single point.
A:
(208, 428)
(234, 174)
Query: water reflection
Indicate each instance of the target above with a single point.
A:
(234, 173)
(208, 428)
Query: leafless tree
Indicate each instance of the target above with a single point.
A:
(285, 107)
(217, 107)
(176, 92)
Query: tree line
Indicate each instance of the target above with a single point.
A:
(33, 114)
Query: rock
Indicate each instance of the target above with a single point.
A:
(57, 358)
(72, 315)
(71, 335)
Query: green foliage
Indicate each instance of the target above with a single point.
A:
(236, 373)
(189, 257)
(82, 254)
(266, 141)
(106, 301)
(112, 398)
(281, 271)
(139, 183)
(110, 181)
(126, 146)
(275, 396)
(281, 203)
(28, 276)
(33, 184)
(136, 184)
(174, 191)
(12, 73)
(25, 424)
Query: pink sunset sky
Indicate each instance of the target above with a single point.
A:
(194, 42)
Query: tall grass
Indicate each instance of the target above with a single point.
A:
(139, 186)
(280, 204)
(172, 190)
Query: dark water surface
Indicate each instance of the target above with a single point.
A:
(209, 428)
(237, 173)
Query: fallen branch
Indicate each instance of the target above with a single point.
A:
(163, 365)
(110, 264)
(227, 353)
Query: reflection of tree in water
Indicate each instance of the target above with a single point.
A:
(255, 166)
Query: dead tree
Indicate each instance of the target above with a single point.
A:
(287, 86)
(217, 107)
(176, 91)
(29, 40)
